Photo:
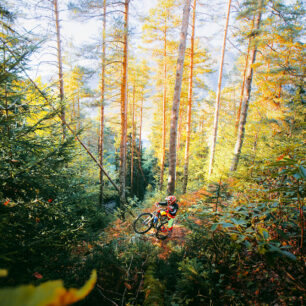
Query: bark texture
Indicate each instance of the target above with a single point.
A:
(101, 133)
(247, 94)
(139, 152)
(124, 103)
(60, 65)
(243, 79)
(189, 111)
(162, 163)
(133, 140)
(176, 99)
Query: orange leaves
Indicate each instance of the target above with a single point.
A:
(37, 275)
(193, 198)
(245, 273)
(281, 157)
(127, 286)
(204, 192)
(6, 202)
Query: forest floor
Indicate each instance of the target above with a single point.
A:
(250, 276)
(124, 230)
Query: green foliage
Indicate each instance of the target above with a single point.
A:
(35, 231)
(153, 288)
(240, 262)
(246, 243)
(124, 264)
(46, 207)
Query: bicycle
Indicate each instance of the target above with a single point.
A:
(145, 221)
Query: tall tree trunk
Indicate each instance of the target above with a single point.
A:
(243, 79)
(140, 127)
(162, 163)
(247, 94)
(101, 134)
(216, 119)
(140, 145)
(133, 139)
(79, 113)
(124, 103)
(179, 134)
(185, 177)
(176, 99)
(60, 65)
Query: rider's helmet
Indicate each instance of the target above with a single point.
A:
(170, 200)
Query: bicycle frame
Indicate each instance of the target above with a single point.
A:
(155, 217)
(150, 220)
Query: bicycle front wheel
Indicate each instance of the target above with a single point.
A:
(143, 223)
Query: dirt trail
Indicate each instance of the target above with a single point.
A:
(124, 230)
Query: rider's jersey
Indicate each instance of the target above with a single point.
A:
(173, 208)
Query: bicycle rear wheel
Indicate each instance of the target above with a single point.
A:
(162, 231)
(143, 223)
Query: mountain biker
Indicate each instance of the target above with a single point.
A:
(170, 212)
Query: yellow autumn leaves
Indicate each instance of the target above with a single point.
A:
(51, 293)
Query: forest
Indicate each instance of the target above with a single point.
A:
(108, 107)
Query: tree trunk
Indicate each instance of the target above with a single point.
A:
(101, 136)
(216, 119)
(78, 126)
(179, 134)
(140, 145)
(133, 138)
(243, 80)
(176, 99)
(188, 132)
(60, 66)
(247, 95)
(140, 127)
(162, 163)
(124, 103)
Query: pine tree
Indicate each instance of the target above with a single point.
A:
(176, 99)
(185, 178)
(158, 28)
(124, 104)
(101, 132)
(59, 63)
(248, 87)
(244, 77)
(30, 136)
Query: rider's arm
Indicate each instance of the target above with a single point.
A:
(163, 203)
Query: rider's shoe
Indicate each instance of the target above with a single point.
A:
(163, 230)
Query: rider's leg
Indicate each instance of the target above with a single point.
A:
(170, 224)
